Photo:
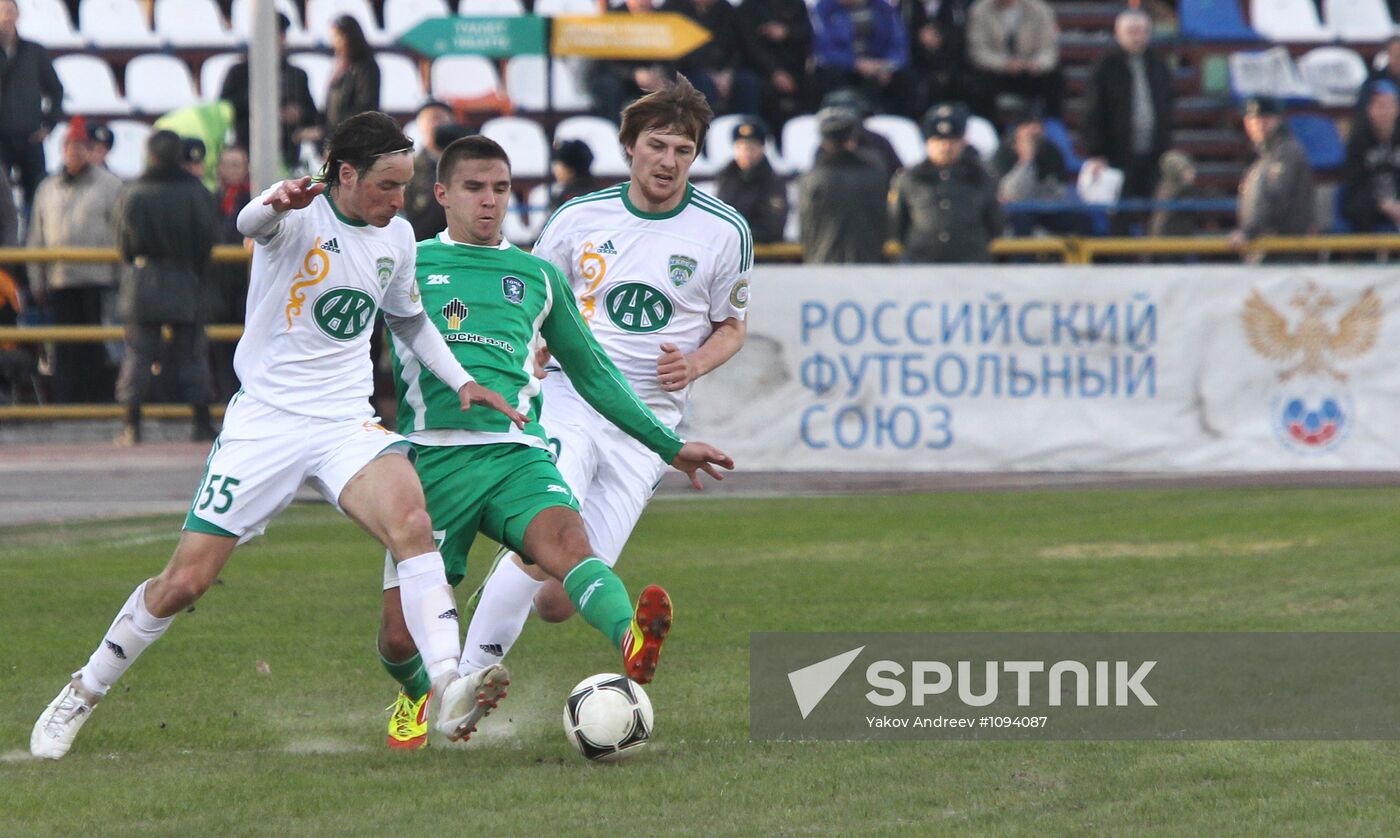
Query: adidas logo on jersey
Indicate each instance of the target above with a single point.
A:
(607, 249)
(116, 650)
(493, 649)
(331, 246)
(449, 614)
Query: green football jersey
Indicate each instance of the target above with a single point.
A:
(494, 305)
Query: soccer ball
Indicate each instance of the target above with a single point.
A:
(608, 718)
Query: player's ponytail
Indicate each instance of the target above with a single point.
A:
(359, 141)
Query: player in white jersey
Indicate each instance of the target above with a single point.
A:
(661, 270)
(329, 256)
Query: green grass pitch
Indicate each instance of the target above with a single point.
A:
(196, 739)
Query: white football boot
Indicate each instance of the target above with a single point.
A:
(468, 699)
(60, 722)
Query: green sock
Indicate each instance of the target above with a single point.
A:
(600, 597)
(410, 674)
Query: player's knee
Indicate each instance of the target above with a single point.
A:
(573, 542)
(553, 609)
(410, 531)
(180, 590)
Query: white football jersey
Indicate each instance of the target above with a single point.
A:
(317, 283)
(644, 279)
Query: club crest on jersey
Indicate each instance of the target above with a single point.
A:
(455, 311)
(638, 308)
(384, 267)
(343, 313)
(681, 269)
(513, 289)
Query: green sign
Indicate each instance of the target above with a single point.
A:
(494, 37)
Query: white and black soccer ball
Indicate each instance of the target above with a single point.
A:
(608, 717)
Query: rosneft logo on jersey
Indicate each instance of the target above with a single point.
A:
(455, 312)
(638, 308)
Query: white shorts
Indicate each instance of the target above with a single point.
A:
(264, 454)
(611, 474)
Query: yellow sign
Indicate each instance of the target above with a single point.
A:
(661, 36)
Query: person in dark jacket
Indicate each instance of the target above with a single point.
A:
(1277, 192)
(229, 282)
(862, 44)
(571, 163)
(841, 205)
(779, 34)
(420, 205)
(874, 144)
(945, 208)
(749, 184)
(613, 84)
(1370, 186)
(720, 67)
(1128, 119)
(165, 230)
(31, 103)
(296, 111)
(937, 49)
(354, 86)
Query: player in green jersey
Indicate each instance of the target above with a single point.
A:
(495, 305)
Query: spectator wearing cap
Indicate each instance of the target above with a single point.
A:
(296, 109)
(1013, 46)
(1277, 192)
(31, 103)
(873, 143)
(841, 204)
(208, 122)
(1370, 182)
(192, 156)
(863, 44)
(749, 184)
(721, 67)
(779, 34)
(354, 84)
(945, 208)
(165, 229)
(102, 141)
(571, 163)
(75, 207)
(420, 206)
(1128, 119)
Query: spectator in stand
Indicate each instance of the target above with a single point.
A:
(719, 68)
(192, 156)
(874, 144)
(842, 202)
(612, 84)
(937, 50)
(1013, 46)
(228, 283)
(31, 103)
(1277, 192)
(1390, 67)
(749, 184)
(165, 230)
(1128, 119)
(1177, 183)
(945, 208)
(102, 141)
(571, 163)
(354, 86)
(74, 207)
(780, 42)
(297, 110)
(420, 205)
(1028, 167)
(862, 44)
(1370, 183)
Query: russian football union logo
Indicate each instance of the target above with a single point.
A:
(343, 313)
(1312, 410)
(638, 308)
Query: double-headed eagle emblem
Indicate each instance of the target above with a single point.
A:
(1313, 337)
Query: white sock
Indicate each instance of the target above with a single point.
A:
(499, 617)
(131, 632)
(430, 610)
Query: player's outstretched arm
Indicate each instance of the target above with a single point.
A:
(293, 194)
(696, 457)
(260, 219)
(417, 334)
(678, 371)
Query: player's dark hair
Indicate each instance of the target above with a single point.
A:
(462, 149)
(359, 141)
(676, 108)
(162, 150)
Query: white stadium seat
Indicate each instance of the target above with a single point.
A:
(320, 14)
(463, 77)
(903, 134)
(297, 35)
(400, 84)
(53, 145)
(981, 134)
(318, 74)
(213, 71)
(601, 136)
(525, 85)
(523, 223)
(1288, 20)
(46, 22)
(89, 87)
(524, 140)
(128, 157)
(800, 142)
(1359, 20)
(1334, 74)
(402, 15)
(557, 8)
(491, 8)
(157, 83)
(116, 24)
(193, 23)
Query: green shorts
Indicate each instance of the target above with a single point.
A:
(496, 490)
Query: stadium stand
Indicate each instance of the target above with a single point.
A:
(47, 22)
(1319, 138)
(127, 159)
(498, 8)
(525, 84)
(1214, 20)
(463, 78)
(400, 83)
(318, 74)
(529, 147)
(213, 71)
(192, 23)
(904, 135)
(116, 24)
(297, 35)
(1359, 20)
(1333, 74)
(800, 142)
(1288, 20)
(89, 86)
(402, 15)
(320, 14)
(157, 83)
(601, 136)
